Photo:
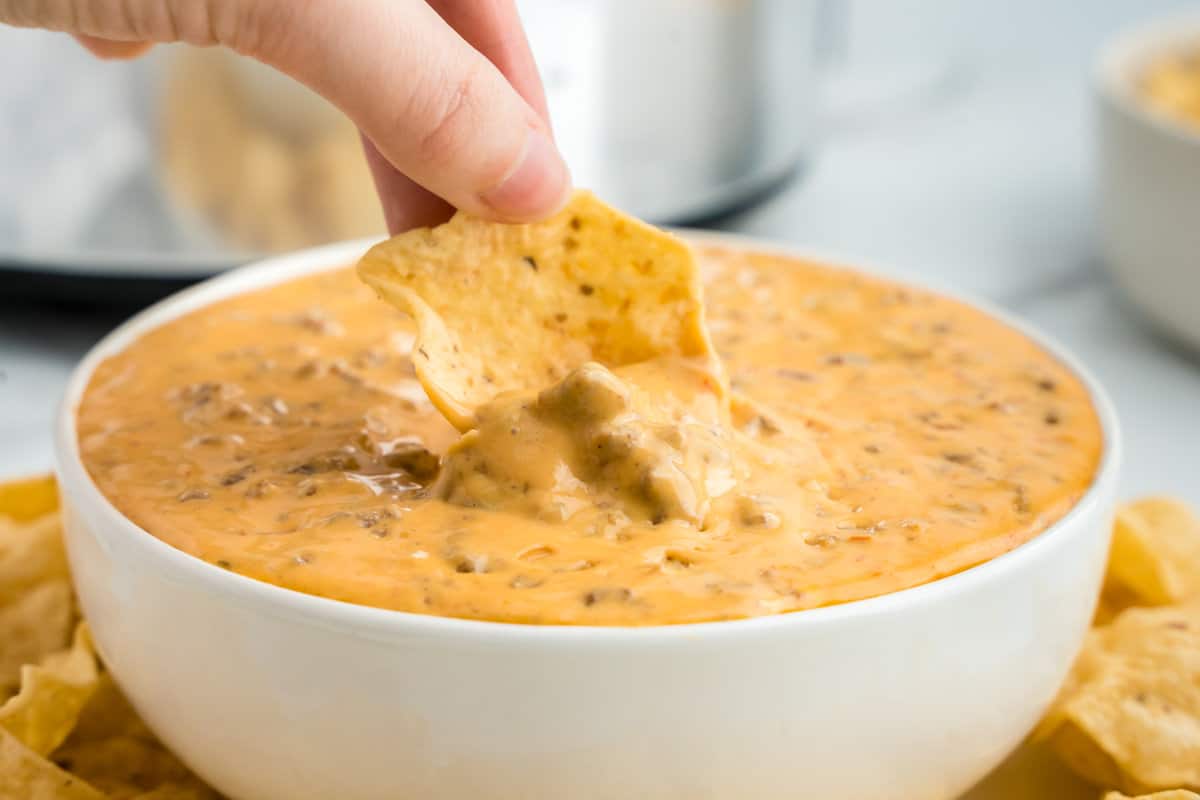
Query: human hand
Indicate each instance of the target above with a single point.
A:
(445, 92)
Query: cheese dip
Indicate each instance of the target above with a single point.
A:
(897, 437)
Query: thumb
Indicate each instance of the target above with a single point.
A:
(434, 107)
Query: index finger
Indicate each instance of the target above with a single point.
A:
(493, 27)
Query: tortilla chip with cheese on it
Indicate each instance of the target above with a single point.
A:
(503, 308)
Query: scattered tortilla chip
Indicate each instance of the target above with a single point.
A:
(69, 733)
(35, 624)
(127, 767)
(52, 695)
(37, 608)
(515, 307)
(113, 750)
(28, 499)
(107, 715)
(1032, 772)
(27, 776)
(1114, 598)
(30, 553)
(1156, 551)
(173, 791)
(1130, 715)
(1170, 794)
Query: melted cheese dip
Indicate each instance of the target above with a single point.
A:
(281, 434)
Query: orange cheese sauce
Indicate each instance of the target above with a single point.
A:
(281, 434)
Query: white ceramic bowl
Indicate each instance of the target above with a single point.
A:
(271, 694)
(1149, 182)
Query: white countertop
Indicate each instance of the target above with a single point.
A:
(985, 185)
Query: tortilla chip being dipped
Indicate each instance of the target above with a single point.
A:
(516, 307)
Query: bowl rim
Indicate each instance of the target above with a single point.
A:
(1126, 55)
(378, 623)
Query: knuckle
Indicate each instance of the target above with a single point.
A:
(452, 120)
(237, 25)
(29, 13)
(241, 25)
(190, 22)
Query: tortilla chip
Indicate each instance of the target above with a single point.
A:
(35, 624)
(1156, 551)
(30, 553)
(113, 750)
(1170, 794)
(68, 734)
(37, 608)
(126, 767)
(28, 499)
(516, 307)
(107, 715)
(1088, 663)
(173, 791)
(1032, 772)
(1130, 714)
(52, 696)
(1114, 598)
(27, 776)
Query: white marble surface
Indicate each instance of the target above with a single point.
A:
(982, 182)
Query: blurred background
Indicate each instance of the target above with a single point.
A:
(950, 140)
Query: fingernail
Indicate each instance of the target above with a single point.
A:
(537, 186)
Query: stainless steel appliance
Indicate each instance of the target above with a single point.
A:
(680, 109)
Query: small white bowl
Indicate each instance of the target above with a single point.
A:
(1149, 182)
(268, 693)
